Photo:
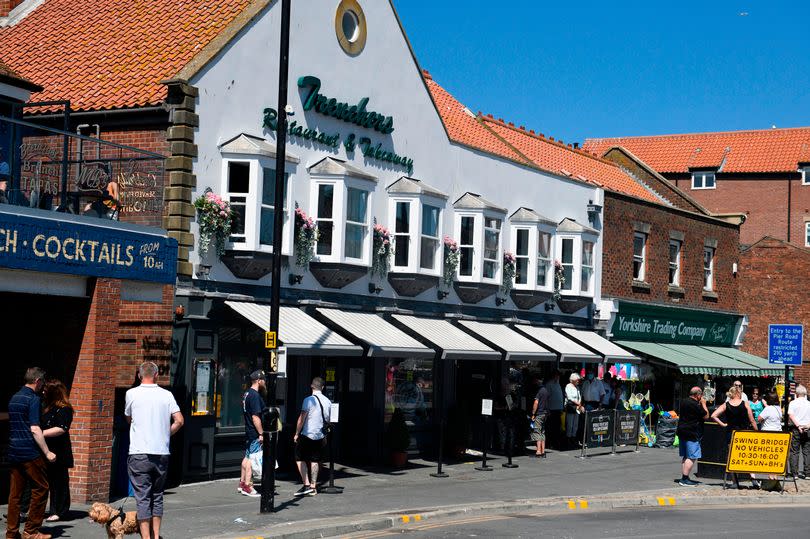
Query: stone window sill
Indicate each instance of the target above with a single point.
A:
(676, 290)
(710, 294)
(641, 285)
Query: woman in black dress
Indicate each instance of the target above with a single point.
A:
(56, 420)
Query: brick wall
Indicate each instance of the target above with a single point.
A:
(93, 396)
(7, 5)
(617, 276)
(763, 198)
(773, 290)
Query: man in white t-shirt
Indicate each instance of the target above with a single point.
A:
(153, 417)
(799, 414)
(310, 439)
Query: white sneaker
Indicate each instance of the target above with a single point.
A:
(250, 491)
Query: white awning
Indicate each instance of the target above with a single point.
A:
(452, 341)
(516, 346)
(553, 340)
(383, 339)
(611, 352)
(299, 332)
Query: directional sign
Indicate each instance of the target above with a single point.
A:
(270, 339)
(785, 344)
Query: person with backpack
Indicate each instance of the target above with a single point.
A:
(310, 437)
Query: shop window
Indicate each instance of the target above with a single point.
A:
(544, 269)
(492, 247)
(466, 246)
(675, 262)
(522, 256)
(639, 256)
(325, 218)
(356, 223)
(703, 180)
(567, 260)
(708, 268)
(429, 243)
(237, 359)
(409, 388)
(586, 284)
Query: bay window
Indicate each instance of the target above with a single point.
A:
(415, 212)
(325, 218)
(466, 246)
(531, 238)
(492, 244)
(544, 265)
(268, 212)
(576, 252)
(356, 223)
(522, 256)
(238, 189)
(477, 226)
(429, 242)
(402, 234)
(567, 260)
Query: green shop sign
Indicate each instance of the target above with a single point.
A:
(352, 114)
(635, 322)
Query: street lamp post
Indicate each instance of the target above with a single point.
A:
(269, 437)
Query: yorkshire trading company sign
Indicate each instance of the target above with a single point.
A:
(61, 244)
(652, 323)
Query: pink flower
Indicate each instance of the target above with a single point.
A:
(386, 242)
(223, 214)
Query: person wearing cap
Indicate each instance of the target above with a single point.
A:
(252, 406)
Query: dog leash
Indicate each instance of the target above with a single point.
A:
(121, 513)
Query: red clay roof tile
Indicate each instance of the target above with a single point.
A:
(107, 54)
(767, 150)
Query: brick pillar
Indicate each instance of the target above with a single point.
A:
(93, 395)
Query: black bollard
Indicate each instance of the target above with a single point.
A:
(510, 450)
(331, 488)
(439, 473)
(484, 467)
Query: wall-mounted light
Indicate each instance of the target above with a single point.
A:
(499, 301)
(548, 306)
(295, 279)
(734, 269)
(374, 289)
(441, 294)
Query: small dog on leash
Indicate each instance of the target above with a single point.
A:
(116, 524)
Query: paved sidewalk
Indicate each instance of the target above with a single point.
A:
(214, 509)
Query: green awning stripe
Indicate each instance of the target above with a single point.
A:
(686, 363)
(765, 368)
(728, 365)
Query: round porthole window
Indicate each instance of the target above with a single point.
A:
(350, 27)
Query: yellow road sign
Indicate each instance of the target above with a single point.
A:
(270, 339)
(758, 452)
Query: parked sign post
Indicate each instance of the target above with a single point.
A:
(486, 413)
(785, 348)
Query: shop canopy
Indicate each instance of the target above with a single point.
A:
(693, 359)
(299, 332)
(454, 342)
(765, 368)
(609, 351)
(382, 338)
(515, 346)
(569, 350)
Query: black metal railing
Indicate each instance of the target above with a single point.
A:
(56, 170)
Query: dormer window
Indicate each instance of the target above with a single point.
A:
(341, 195)
(531, 236)
(249, 184)
(805, 172)
(703, 179)
(415, 210)
(478, 226)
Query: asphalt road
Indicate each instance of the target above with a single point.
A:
(740, 522)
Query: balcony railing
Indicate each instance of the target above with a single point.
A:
(59, 171)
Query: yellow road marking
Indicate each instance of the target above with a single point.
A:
(572, 504)
(661, 501)
(671, 501)
(583, 504)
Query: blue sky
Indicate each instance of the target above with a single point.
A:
(587, 69)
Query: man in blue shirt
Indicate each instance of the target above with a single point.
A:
(310, 438)
(27, 454)
(252, 406)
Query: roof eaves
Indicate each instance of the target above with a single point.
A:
(216, 45)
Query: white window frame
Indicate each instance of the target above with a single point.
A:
(675, 280)
(535, 231)
(254, 204)
(365, 225)
(549, 284)
(498, 260)
(340, 201)
(576, 262)
(529, 256)
(479, 218)
(708, 272)
(704, 175)
(805, 171)
(642, 274)
(807, 234)
(416, 211)
(592, 279)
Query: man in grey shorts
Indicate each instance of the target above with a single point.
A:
(154, 417)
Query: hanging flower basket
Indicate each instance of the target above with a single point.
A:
(509, 270)
(559, 280)
(382, 251)
(451, 260)
(306, 235)
(215, 217)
